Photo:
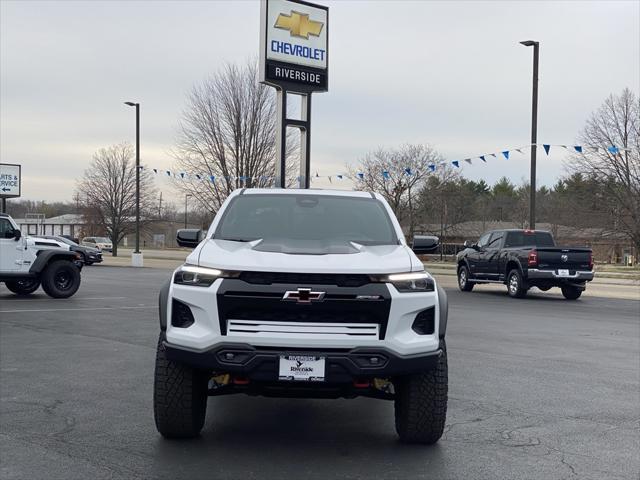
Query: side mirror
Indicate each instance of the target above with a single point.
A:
(15, 234)
(189, 237)
(468, 244)
(425, 244)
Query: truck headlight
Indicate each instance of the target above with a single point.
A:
(412, 282)
(200, 276)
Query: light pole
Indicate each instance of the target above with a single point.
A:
(136, 258)
(186, 196)
(534, 130)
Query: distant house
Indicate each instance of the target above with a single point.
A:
(70, 224)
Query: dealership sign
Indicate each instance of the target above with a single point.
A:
(294, 45)
(9, 180)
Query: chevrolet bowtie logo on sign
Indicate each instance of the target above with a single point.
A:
(299, 24)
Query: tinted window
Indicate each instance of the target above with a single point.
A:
(5, 226)
(484, 239)
(496, 237)
(307, 217)
(529, 239)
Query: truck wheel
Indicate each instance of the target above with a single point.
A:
(463, 279)
(61, 279)
(515, 284)
(23, 287)
(571, 293)
(179, 397)
(421, 403)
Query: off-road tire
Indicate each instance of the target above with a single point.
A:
(463, 279)
(60, 279)
(571, 293)
(23, 287)
(515, 284)
(421, 403)
(179, 397)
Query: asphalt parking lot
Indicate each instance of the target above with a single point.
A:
(539, 388)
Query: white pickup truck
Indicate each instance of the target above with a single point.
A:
(28, 262)
(303, 293)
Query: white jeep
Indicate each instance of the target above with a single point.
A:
(303, 293)
(28, 262)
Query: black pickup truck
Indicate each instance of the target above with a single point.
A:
(521, 259)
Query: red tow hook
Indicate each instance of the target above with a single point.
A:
(240, 381)
(361, 383)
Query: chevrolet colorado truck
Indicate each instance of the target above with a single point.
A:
(303, 293)
(28, 262)
(522, 259)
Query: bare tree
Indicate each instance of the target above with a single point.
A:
(228, 131)
(108, 188)
(397, 174)
(615, 124)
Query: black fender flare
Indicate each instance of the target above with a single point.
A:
(443, 303)
(47, 256)
(163, 298)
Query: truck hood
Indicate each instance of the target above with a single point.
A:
(288, 256)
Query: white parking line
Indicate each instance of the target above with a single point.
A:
(77, 309)
(42, 299)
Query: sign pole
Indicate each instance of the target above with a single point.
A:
(305, 143)
(281, 139)
(4, 205)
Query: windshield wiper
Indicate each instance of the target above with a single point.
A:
(235, 239)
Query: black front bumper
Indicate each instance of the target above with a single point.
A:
(341, 366)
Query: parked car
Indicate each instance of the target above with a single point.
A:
(522, 259)
(28, 262)
(101, 243)
(303, 293)
(89, 255)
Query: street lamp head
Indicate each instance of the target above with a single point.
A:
(131, 104)
(529, 43)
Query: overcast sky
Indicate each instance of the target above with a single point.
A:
(450, 74)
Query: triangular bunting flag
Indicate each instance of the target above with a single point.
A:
(360, 175)
(483, 159)
(432, 167)
(155, 170)
(506, 154)
(456, 163)
(168, 173)
(407, 171)
(339, 176)
(385, 174)
(182, 174)
(468, 160)
(577, 148)
(212, 178)
(546, 148)
(612, 149)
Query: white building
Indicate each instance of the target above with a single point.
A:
(70, 224)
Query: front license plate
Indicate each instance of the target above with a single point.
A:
(301, 367)
(563, 273)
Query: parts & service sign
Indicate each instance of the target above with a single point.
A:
(9, 180)
(294, 45)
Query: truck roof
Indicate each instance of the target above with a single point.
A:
(306, 191)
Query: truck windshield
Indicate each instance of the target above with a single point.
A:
(308, 217)
(529, 239)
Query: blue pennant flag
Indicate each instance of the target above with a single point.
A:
(546, 148)
(339, 176)
(385, 174)
(407, 171)
(198, 176)
(506, 154)
(360, 176)
(613, 149)
(577, 148)
(155, 170)
(456, 163)
(182, 174)
(168, 173)
(468, 160)
(432, 167)
(483, 159)
(212, 178)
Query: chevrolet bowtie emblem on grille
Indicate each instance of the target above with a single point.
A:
(303, 295)
(299, 24)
